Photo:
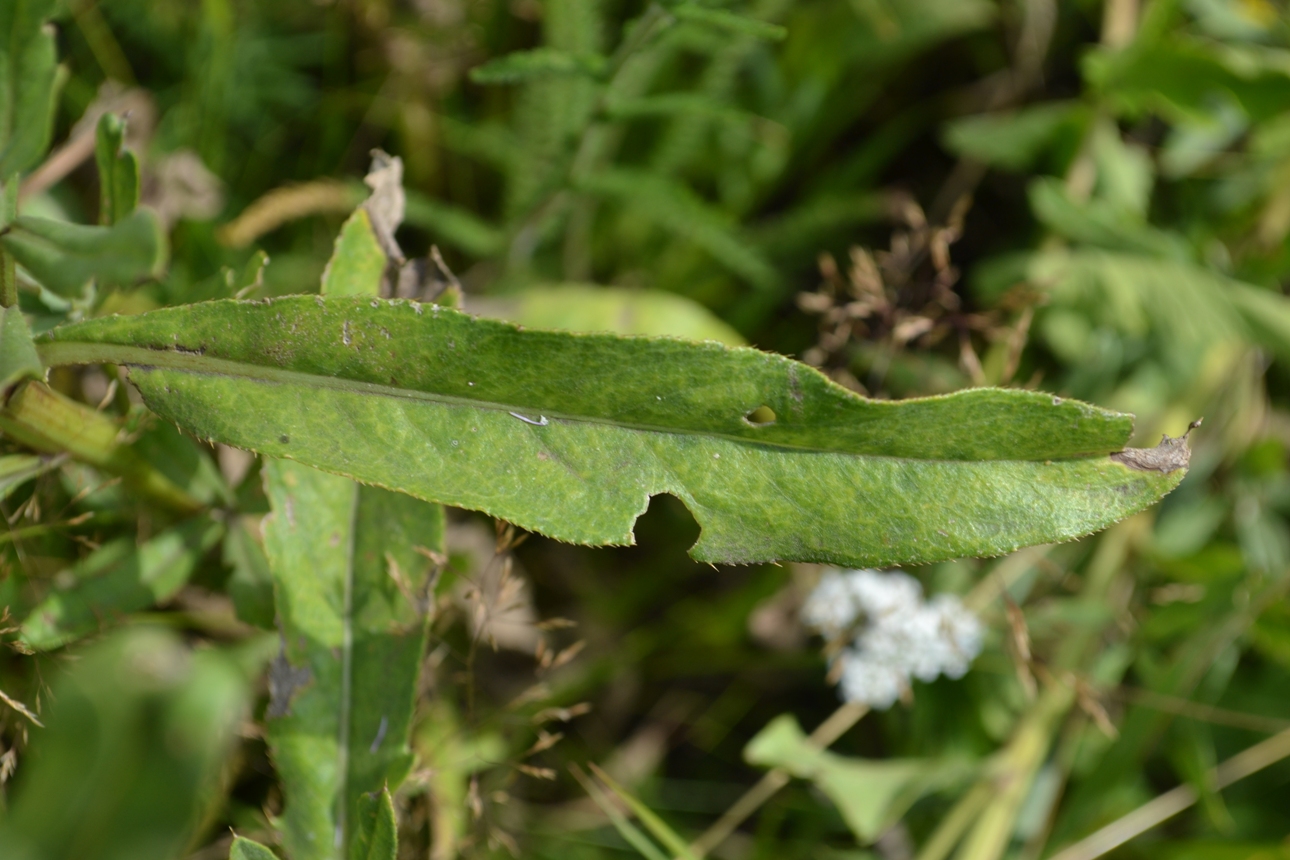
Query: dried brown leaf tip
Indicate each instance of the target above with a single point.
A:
(1169, 456)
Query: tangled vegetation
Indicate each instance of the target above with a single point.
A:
(453, 428)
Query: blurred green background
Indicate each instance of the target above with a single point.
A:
(916, 196)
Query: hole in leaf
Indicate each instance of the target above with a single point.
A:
(761, 416)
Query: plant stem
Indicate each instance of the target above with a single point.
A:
(1169, 804)
(41, 418)
(824, 735)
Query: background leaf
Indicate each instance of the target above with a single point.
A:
(64, 257)
(98, 784)
(29, 84)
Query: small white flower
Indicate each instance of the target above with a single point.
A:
(881, 594)
(870, 682)
(902, 636)
(831, 608)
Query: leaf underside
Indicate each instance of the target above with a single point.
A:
(569, 435)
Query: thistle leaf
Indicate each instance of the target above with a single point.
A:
(570, 435)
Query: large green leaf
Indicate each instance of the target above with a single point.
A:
(63, 256)
(28, 82)
(570, 434)
(343, 556)
(137, 731)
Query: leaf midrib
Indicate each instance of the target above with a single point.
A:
(59, 353)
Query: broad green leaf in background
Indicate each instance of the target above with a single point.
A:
(583, 307)
(64, 257)
(118, 171)
(351, 578)
(570, 434)
(871, 795)
(28, 82)
(115, 580)
(136, 732)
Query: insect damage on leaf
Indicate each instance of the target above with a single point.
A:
(1170, 455)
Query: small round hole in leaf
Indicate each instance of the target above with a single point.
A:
(761, 416)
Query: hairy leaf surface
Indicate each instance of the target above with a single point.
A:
(570, 434)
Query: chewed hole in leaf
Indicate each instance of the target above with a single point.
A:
(762, 416)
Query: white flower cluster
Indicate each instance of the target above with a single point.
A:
(901, 636)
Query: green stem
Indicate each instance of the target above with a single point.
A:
(8, 212)
(41, 418)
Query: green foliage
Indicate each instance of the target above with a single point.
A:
(118, 171)
(66, 257)
(871, 795)
(99, 783)
(811, 179)
(117, 579)
(349, 581)
(28, 83)
(528, 426)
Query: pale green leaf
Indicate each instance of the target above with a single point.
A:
(118, 171)
(570, 434)
(63, 256)
(137, 731)
(351, 589)
(871, 795)
(621, 310)
(28, 82)
(358, 262)
(246, 849)
(18, 358)
(115, 580)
